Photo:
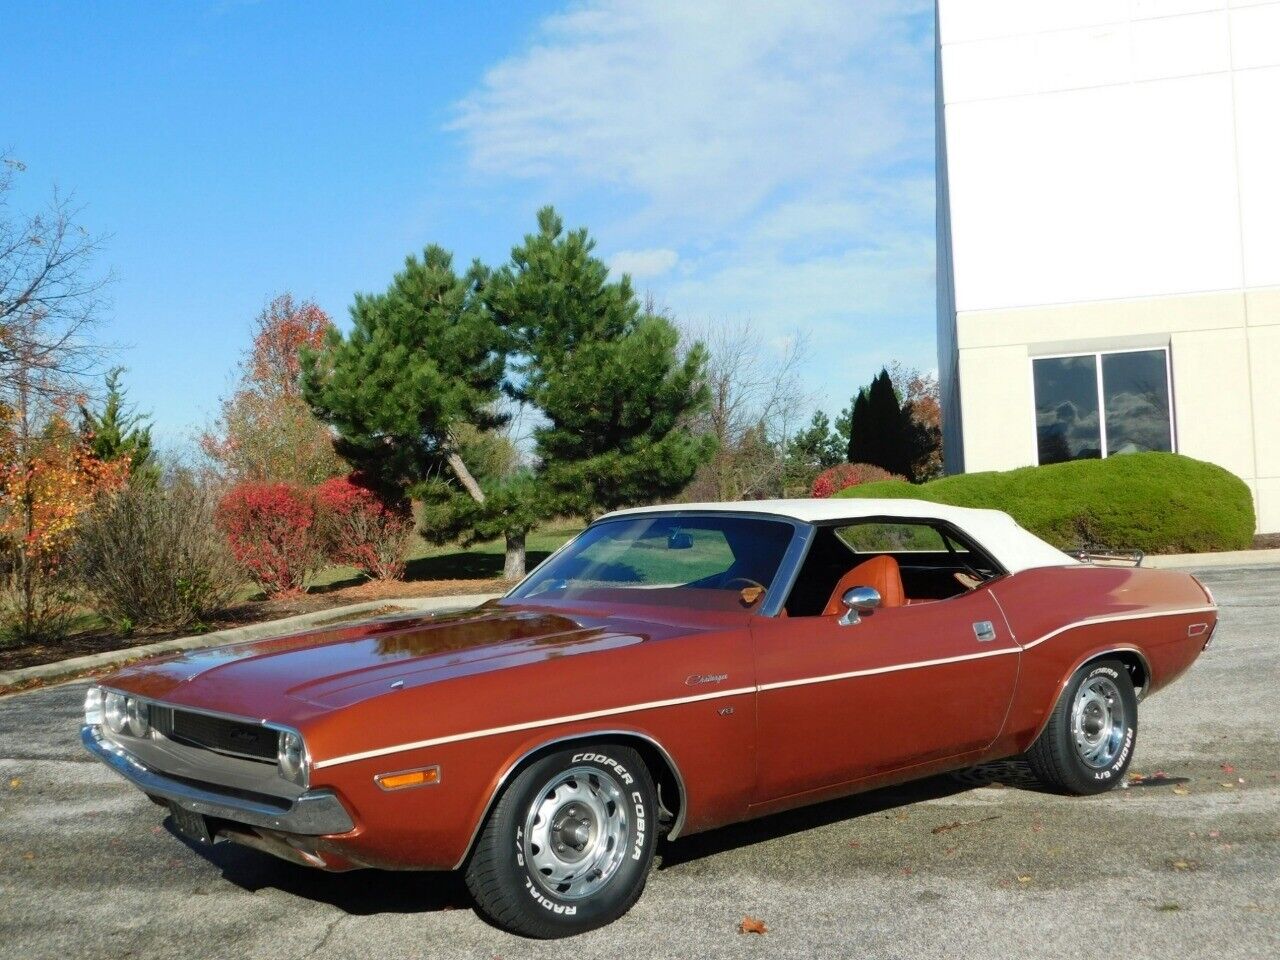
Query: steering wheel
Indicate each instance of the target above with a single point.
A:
(745, 581)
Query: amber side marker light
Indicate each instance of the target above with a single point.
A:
(403, 779)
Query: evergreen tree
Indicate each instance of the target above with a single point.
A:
(423, 362)
(812, 450)
(118, 432)
(882, 431)
(605, 374)
(861, 435)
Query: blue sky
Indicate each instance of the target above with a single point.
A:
(743, 160)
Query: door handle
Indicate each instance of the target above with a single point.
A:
(984, 630)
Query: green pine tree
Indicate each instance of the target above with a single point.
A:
(419, 372)
(118, 432)
(812, 450)
(606, 376)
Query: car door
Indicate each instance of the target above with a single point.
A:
(904, 686)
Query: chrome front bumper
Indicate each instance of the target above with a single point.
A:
(314, 813)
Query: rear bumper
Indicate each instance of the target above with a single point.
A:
(314, 813)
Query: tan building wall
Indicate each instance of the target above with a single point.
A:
(1224, 351)
(1109, 180)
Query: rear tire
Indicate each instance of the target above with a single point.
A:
(1088, 743)
(569, 844)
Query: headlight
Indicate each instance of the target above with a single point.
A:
(124, 714)
(114, 711)
(93, 714)
(291, 757)
(137, 714)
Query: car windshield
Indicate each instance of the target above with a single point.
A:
(711, 562)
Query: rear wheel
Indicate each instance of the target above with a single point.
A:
(568, 846)
(1087, 745)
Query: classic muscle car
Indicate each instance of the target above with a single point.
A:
(668, 671)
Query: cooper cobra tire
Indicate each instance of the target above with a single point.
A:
(569, 844)
(1088, 743)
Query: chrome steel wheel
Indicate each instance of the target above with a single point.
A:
(576, 832)
(1098, 721)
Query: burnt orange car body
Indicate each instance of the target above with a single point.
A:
(740, 714)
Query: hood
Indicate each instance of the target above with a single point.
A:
(288, 678)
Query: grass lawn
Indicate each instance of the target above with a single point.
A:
(452, 562)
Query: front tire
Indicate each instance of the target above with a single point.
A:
(1088, 743)
(568, 846)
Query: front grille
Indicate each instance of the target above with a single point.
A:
(215, 733)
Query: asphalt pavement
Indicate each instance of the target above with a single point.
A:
(1187, 867)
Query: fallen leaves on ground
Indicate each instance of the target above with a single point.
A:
(1181, 790)
(957, 824)
(751, 924)
(15, 783)
(1228, 768)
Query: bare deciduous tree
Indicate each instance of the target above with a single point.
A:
(49, 293)
(757, 401)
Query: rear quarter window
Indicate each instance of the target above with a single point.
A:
(891, 537)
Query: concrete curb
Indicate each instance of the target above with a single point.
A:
(1226, 558)
(65, 669)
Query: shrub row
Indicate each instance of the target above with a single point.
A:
(281, 534)
(845, 475)
(1155, 502)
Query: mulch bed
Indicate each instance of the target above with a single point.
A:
(1266, 541)
(255, 611)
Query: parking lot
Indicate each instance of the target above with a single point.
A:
(1188, 866)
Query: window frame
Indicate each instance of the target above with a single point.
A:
(1102, 406)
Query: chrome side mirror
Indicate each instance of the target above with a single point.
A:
(858, 600)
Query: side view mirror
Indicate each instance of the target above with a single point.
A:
(858, 600)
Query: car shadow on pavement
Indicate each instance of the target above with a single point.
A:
(370, 892)
(358, 892)
(785, 824)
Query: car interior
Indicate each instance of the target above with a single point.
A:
(905, 561)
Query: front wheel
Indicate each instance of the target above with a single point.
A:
(568, 846)
(1087, 745)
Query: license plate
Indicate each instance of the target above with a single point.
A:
(191, 825)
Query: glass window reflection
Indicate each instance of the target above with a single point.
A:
(1135, 389)
(1066, 391)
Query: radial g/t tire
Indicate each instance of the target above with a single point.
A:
(1088, 743)
(568, 846)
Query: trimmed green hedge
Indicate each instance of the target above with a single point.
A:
(1156, 502)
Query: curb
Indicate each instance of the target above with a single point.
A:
(1225, 558)
(66, 669)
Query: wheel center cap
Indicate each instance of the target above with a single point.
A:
(571, 830)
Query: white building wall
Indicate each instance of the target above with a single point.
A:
(1113, 175)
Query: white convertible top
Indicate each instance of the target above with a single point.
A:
(1015, 548)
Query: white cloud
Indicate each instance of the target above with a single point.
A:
(643, 264)
(784, 148)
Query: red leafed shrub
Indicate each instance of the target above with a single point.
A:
(361, 531)
(273, 533)
(845, 475)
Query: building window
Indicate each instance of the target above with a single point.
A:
(1131, 390)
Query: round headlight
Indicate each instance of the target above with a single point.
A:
(291, 757)
(114, 710)
(136, 713)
